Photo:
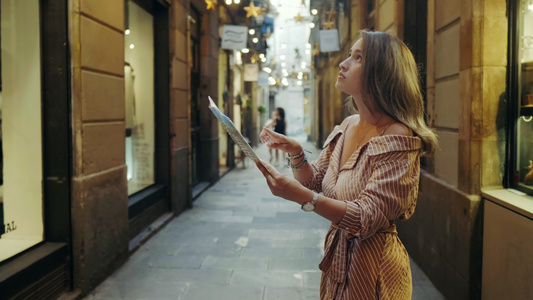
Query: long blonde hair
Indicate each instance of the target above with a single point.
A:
(390, 82)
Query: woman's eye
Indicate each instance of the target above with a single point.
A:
(358, 58)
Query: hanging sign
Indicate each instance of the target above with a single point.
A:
(234, 37)
(329, 40)
(251, 72)
(263, 79)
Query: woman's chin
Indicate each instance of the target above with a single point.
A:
(338, 86)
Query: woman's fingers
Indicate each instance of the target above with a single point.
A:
(271, 174)
(261, 165)
(270, 169)
(267, 134)
(280, 185)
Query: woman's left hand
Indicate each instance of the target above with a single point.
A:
(281, 185)
(275, 140)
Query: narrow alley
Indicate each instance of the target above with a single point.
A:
(118, 182)
(238, 242)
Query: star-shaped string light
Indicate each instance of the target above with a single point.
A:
(331, 14)
(211, 4)
(316, 49)
(328, 25)
(252, 10)
(298, 18)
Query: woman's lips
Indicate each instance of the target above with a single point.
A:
(341, 76)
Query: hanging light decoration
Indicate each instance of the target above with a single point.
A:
(252, 10)
(331, 14)
(330, 24)
(211, 4)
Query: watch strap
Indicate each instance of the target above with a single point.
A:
(310, 205)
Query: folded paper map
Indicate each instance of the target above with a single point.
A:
(237, 137)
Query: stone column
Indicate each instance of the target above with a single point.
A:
(483, 67)
(180, 186)
(99, 190)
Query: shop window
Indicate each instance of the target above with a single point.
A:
(21, 162)
(139, 86)
(521, 96)
(147, 102)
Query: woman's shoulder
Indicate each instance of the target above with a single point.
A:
(349, 121)
(398, 128)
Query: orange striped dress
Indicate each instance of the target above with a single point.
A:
(364, 258)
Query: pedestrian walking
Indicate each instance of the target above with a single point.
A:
(280, 127)
(367, 172)
(271, 123)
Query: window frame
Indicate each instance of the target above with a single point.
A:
(149, 197)
(54, 253)
(514, 103)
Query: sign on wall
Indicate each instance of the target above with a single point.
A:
(329, 40)
(251, 72)
(234, 37)
(263, 79)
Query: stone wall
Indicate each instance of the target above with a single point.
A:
(99, 185)
(180, 106)
(466, 66)
(99, 191)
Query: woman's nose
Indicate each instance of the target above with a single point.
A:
(341, 65)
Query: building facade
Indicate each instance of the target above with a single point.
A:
(470, 233)
(106, 134)
(110, 111)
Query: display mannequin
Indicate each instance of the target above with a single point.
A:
(129, 77)
(131, 120)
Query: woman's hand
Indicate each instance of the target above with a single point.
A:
(282, 186)
(275, 140)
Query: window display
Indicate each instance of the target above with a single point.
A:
(21, 200)
(139, 93)
(524, 135)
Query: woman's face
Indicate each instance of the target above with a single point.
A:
(349, 79)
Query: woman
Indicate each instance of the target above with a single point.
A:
(270, 124)
(280, 127)
(368, 172)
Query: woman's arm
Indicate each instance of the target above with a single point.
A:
(390, 193)
(283, 186)
(290, 146)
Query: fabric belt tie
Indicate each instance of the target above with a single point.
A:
(334, 263)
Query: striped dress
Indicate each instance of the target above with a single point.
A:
(364, 258)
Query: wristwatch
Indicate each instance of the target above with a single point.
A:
(310, 206)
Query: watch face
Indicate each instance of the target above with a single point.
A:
(309, 206)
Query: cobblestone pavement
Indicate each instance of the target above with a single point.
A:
(238, 242)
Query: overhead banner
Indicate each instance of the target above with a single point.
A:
(251, 72)
(329, 40)
(234, 37)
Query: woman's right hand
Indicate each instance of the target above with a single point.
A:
(275, 140)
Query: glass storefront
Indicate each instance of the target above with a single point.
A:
(21, 194)
(139, 89)
(523, 152)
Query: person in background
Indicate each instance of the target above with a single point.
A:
(270, 123)
(367, 172)
(280, 127)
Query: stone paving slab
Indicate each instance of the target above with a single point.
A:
(238, 242)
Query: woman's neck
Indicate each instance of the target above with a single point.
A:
(369, 117)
